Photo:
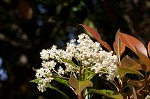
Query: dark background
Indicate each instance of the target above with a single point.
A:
(28, 26)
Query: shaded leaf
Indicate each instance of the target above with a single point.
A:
(54, 88)
(123, 71)
(79, 86)
(128, 62)
(149, 48)
(134, 96)
(108, 93)
(144, 60)
(133, 43)
(97, 36)
(63, 81)
(118, 46)
(138, 84)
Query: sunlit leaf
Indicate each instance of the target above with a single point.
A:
(107, 93)
(144, 60)
(128, 62)
(149, 48)
(118, 46)
(54, 88)
(79, 86)
(123, 71)
(132, 90)
(96, 36)
(133, 43)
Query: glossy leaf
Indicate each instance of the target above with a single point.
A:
(79, 86)
(145, 61)
(54, 88)
(128, 62)
(123, 71)
(118, 46)
(149, 48)
(97, 36)
(107, 93)
(133, 43)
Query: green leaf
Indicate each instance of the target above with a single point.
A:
(108, 93)
(79, 86)
(70, 62)
(35, 81)
(123, 71)
(54, 88)
(96, 36)
(63, 81)
(88, 75)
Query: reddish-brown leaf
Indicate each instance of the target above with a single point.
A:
(78, 85)
(138, 84)
(134, 95)
(96, 36)
(118, 46)
(25, 10)
(145, 61)
(133, 43)
(128, 62)
(149, 48)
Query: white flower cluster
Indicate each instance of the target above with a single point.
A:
(88, 54)
(147, 97)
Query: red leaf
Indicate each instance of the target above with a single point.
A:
(149, 48)
(96, 36)
(133, 43)
(144, 60)
(118, 46)
(128, 62)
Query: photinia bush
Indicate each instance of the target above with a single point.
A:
(83, 59)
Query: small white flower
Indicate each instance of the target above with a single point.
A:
(41, 87)
(60, 70)
(49, 64)
(44, 54)
(42, 72)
